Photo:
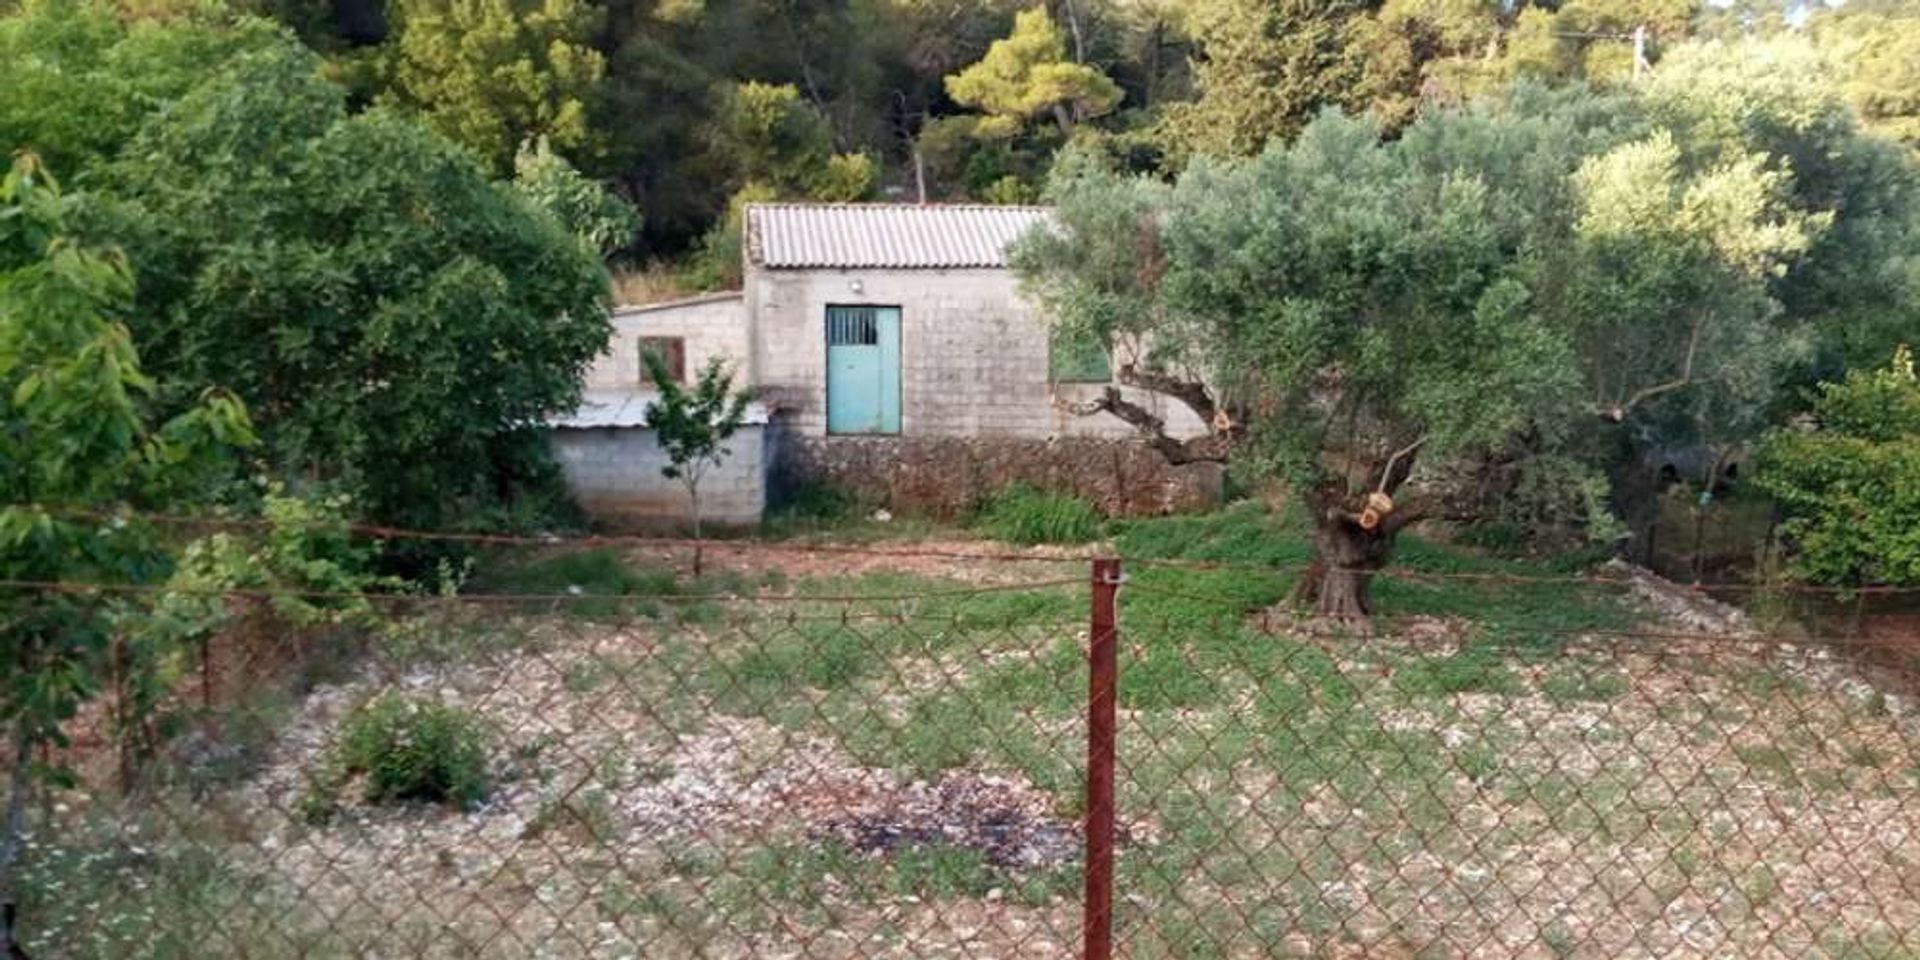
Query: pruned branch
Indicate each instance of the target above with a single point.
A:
(1618, 412)
(1211, 448)
(1195, 396)
(1387, 474)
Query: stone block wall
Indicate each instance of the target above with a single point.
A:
(614, 473)
(948, 476)
(714, 325)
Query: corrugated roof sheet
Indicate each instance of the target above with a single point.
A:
(785, 236)
(625, 408)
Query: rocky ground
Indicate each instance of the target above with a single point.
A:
(1703, 792)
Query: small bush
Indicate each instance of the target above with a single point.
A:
(1021, 514)
(412, 749)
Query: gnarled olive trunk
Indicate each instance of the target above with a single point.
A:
(1346, 554)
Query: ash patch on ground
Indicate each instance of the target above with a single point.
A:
(1008, 823)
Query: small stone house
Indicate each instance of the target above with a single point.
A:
(893, 356)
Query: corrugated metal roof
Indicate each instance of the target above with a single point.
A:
(625, 408)
(785, 236)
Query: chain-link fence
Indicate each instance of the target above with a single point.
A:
(870, 753)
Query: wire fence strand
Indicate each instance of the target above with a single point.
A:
(986, 554)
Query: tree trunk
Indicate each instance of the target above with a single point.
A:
(693, 493)
(1338, 583)
(16, 828)
(1064, 117)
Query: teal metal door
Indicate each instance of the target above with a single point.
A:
(863, 369)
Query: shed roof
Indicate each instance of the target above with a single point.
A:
(626, 408)
(787, 236)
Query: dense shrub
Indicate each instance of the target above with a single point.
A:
(1850, 490)
(1021, 514)
(413, 749)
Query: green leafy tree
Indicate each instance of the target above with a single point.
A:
(1666, 280)
(1850, 487)
(773, 139)
(1593, 40)
(693, 426)
(1343, 310)
(494, 74)
(1875, 44)
(1028, 75)
(1336, 311)
(395, 320)
(777, 147)
(1265, 69)
(1416, 51)
(79, 82)
(76, 443)
(1856, 288)
(603, 221)
(864, 67)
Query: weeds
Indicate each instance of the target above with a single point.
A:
(601, 584)
(407, 750)
(1022, 514)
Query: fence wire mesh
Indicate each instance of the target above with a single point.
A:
(855, 761)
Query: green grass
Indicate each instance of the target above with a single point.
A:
(802, 874)
(600, 583)
(1022, 514)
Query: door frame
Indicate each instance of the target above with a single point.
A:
(826, 352)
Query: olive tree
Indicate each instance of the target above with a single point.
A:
(1355, 315)
(1333, 310)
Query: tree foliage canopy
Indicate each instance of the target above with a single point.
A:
(693, 423)
(392, 316)
(1877, 45)
(493, 75)
(1028, 75)
(602, 221)
(77, 433)
(1344, 306)
(1850, 488)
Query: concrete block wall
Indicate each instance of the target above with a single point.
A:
(973, 354)
(712, 325)
(614, 473)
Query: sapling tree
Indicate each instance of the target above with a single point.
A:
(693, 425)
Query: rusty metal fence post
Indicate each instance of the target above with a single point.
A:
(1102, 688)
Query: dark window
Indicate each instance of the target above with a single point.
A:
(672, 350)
(853, 326)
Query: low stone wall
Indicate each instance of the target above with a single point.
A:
(946, 476)
(614, 473)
